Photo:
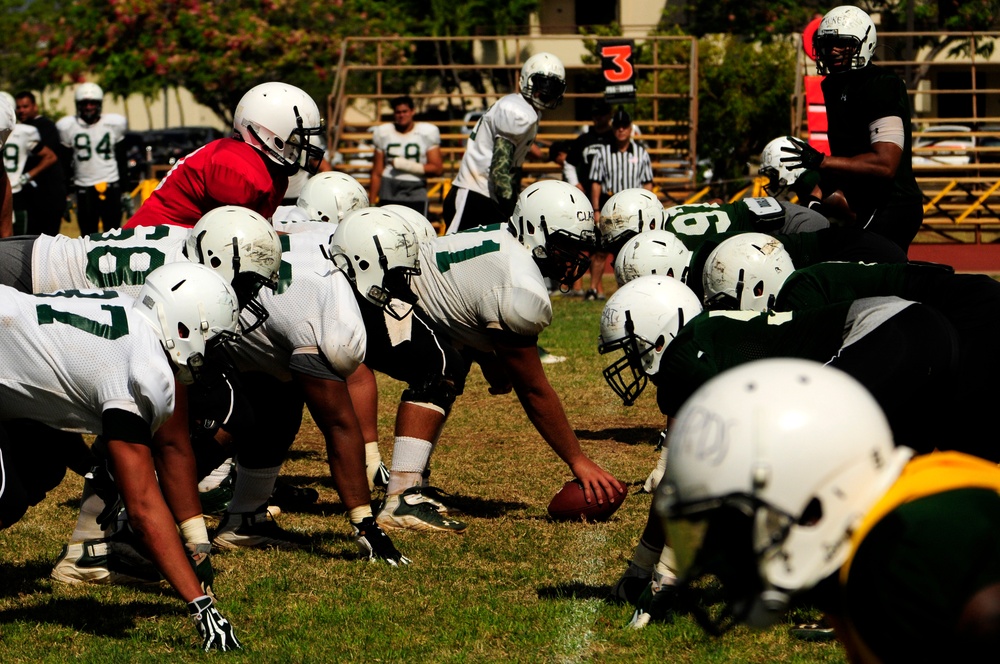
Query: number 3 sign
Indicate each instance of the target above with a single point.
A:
(619, 73)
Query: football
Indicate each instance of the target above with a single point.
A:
(569, 504)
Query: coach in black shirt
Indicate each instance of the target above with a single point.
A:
(622, 165)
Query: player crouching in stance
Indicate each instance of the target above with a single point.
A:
(783, 483)
(100, 362)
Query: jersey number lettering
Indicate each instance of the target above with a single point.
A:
(117, 328)
(11, 157)
(700, 223)
(410, 151)
(446, 259)
(84, 151)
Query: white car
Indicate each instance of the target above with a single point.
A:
(943, 145)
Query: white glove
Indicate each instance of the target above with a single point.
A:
(24, 179)
(216, 632)
(657, 474)
(407, 165)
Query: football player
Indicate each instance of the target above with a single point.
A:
(312, 341)
(274, 123)
(486, 288)
(406, 153)
(484, 191)
(22, 143)
(902, 351)
(325, 199)
(100, 362)
(808, 501)
(95, 141)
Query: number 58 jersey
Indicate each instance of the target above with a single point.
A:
(118, 259)
(67, 357)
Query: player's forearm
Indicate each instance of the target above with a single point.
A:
(502, 169)
(149, 516)
(542, 406)
(882, 162)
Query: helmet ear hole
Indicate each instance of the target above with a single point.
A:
(182, 331)
(812, 514)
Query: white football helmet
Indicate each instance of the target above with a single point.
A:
(330, 195)
(780, 178)
(543, 80)
(628, 213)
(845, 40)
(555, 221)
(85, 96)
(192, 308)
(653, 252)
(378, 252)
(244, 248)
(641, 319)
(279, 119)
(745, 272)
(418, 223)
(772, 466)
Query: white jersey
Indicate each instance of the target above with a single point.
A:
(19, 146)
(93, 147)
(313, 313)
(479, 280)
(512, 119)
(293, 219)
(412, 145)
(296, 182)
(66, 358)
(118, 259)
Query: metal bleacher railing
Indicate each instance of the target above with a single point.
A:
(371, 71)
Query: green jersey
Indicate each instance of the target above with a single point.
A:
(715, 341)
(826, 283)
(693, 224)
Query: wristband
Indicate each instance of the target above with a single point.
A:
(193, 530)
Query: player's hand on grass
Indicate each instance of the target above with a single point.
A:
(374, 544)
(216, 632)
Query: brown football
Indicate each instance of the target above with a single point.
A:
(569, 504)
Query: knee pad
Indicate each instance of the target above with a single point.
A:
(438, 392)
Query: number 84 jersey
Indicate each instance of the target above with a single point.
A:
(118, 259)
(93, 147)
(67, 357)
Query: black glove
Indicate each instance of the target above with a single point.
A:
(214, 629)
(803, 155)
(374, 544)
(201, 561)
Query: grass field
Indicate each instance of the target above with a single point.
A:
(516, 588)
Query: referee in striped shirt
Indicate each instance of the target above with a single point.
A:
(622, 165)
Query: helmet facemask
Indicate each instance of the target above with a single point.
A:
(545, 91)
(836, 54)
(564, 257)
(295, 151)
(393, 294)
(723, 539)
(626, 375)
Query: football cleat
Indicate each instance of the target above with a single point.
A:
(631, 584)
(656, 603)
(253, 530)
(215, 501)
(293, 498)
(411, 510)
(106, 561)
(374, 544)
(378, 476)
